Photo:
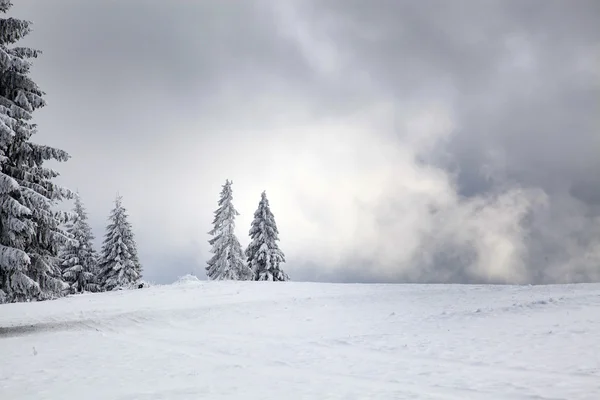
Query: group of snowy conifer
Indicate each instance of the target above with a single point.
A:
(262, 259)
(45, 253)
(117, 266)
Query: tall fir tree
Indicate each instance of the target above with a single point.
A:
(119, 265)
(263, 253)
(228, 261)
(79, 260)
(30, 229)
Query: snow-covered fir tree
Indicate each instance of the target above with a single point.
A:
(79, 262)
(30, 229)
(228, 261)
(263, 253)
(119, 265)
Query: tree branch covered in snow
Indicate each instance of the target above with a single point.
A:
(228, 261)
(30, 230)
(263, 253)
(119, 265)
(78, 257)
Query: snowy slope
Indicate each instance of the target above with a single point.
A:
(255, 340)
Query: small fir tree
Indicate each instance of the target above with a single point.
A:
(263, 253)
(79, 262)
(227, 262)
(30, 230)
(119, 265)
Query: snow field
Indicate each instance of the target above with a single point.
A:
(264, 340)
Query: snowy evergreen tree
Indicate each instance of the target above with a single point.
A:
(264, 256)
(79, 262)
(30, 230)
(119, 265)
(228, 261)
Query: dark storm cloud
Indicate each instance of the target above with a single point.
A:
(517, 70)
(526, 89)
(164, 100)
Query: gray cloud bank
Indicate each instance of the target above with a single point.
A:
(398, 141)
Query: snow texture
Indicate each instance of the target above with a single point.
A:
(227, 262)
(186, 280)
(264, 255)
(257, 340)
(30, 230)
(119, 264)
(79, 263)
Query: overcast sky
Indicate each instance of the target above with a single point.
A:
(429, 141)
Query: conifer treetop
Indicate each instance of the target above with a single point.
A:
(119, 263)
(263, 253)
(79, 257)
(228, 261)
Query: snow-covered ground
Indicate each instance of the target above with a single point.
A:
(253, 340)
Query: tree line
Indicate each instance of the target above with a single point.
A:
(45, 253)
(118, 266)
